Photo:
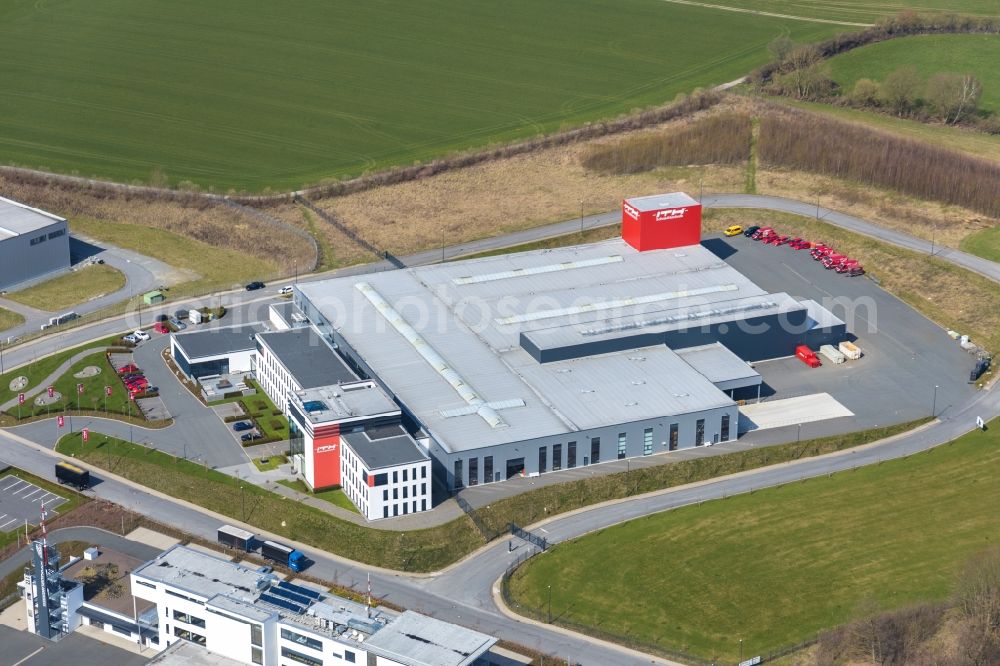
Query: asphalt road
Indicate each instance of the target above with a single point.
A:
(463, 593)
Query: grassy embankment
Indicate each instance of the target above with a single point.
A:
(63, 292)
(418, 550)
(262, 128)
(9, 319)
(41, 368)
(776, 566)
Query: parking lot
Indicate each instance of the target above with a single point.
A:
(21, 500)
(905, 354)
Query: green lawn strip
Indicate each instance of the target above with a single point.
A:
(9, 319)
(273, 462)
(41, 368)
(779, 565)
(65, 291)
(984, 243)
(73, 500)
(547, 501)
(956, 138)
(336, 496)
(418, 550)
(262, 411)
(215, 267)
(930, 54)
(279, 117)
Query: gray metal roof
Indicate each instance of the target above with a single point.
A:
(717, 364)
(417, 640)
(202, 575)
(385, 452)
(463, 321)
(17, 219)
(217, 341)
(660, 201)
(307, 357)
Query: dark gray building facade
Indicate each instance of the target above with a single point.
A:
(33, 244)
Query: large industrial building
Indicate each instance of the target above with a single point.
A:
(33, 243)
(538, 361)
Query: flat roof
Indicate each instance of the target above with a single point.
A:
(307, 357)
(446, 339)
(661, 201)
(384, 452)
(324, 404)
(218, 341)
(417, 640)
(717, 364)
(186, 653)
(123, 601)
(17, 219)
(289, 313)
(202, 574)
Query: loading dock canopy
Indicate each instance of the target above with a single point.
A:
(720, 366)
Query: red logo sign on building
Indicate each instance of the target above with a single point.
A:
(661, 221)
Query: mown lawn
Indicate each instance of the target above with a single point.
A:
(930, 54)
(311, 90)
(41, 368)
(984, 243)
(335, 497)
(9, 319)
(780, 565)
(419, 550)
(65, 291)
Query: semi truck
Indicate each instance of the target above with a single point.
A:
(70, 474)
(234, 537)
(284, 555)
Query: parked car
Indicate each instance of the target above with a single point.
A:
(750, 231)
(798, 243)
(177, 323)
(254, 286)
(763, 233)
(821, 251)
(284, 291)
(782, 240)
(240, 426)
(141, 335)
(251, 437)
(130, 338)
(180, 314)
(132, 377)
(733, 230)
(161, 317)
(161, 327)
(833, 260)
(128, 369)
(137, 383)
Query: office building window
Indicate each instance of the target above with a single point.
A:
(699, 432)
(458, 474)
(395, 493)
(385, 495)
(256, 655)
(622, 445)
(570, 455)
(473, 471)
(488, 469)
(385, 512)
(348, 656)
(305, 641)
(647, 442)
(189, 636)
(595, 450)
(423, 472)
(556, 457)
(543, 455)
(673, 436)
(288, 653)
(725, 427)
(404, 475)
(395, 476)
(256, 635)
(423, 505)
(405, 493)
(189, 619)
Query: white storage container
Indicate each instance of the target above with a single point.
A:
(831, 353)
(850, 350)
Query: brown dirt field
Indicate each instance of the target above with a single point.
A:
(202, 220)
(336, 249)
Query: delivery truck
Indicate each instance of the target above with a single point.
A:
(234, 537)
(284, 555)
(807, 356)
(72, 475)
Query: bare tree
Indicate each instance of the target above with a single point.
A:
(977, 598)
(953, 97)
(780, 48)
(901, 89)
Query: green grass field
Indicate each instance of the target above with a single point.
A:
(9, 319)
(985, 244)
(71, 289)
(930, 54)
(863, 11)
(337, 497)
(777, 566)
(278, 95)
(41, 368)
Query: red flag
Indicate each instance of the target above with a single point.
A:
(61, 421)
(79, 389)
(107, 391)
(20, 398)
(52, 392)
(85, 434)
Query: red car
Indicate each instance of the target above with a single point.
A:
(851, 267)
(128, 369)
(137, 383)
(161, 327)
(821, 251)
(781, 240)
(763, 233)
(798, 244)
(833, 260)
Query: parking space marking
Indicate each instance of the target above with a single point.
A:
(3, 528)
(34, 492)
(17, 482)
(28, 486)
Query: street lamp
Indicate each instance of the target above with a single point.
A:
(550, 604)
(934, 403)
(741, 650)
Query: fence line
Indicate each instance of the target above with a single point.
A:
(281, 224)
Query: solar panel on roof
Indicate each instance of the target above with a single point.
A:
(299, 589)
(282, 603)
(300, 599)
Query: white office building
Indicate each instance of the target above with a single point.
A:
(250, 617)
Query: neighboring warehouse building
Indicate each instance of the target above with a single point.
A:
(251, 617)
(33, 243)
(540, 361)
(214, 351)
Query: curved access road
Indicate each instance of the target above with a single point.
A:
(464, 592)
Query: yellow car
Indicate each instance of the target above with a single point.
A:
(734, 230)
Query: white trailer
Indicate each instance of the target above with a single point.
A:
(195, 316)
(831, 353)
(850, 350)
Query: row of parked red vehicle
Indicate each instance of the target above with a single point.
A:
(821, 252)
(133, 379)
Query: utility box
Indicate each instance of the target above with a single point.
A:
(91, 553)
(661, 221)
(196, 317)
(153, 297)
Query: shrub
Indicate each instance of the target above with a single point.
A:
(232, 394)
(276, 424)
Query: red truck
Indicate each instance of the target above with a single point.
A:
(807, 356)
(833, 260)
(851, 267)
(821, 251)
